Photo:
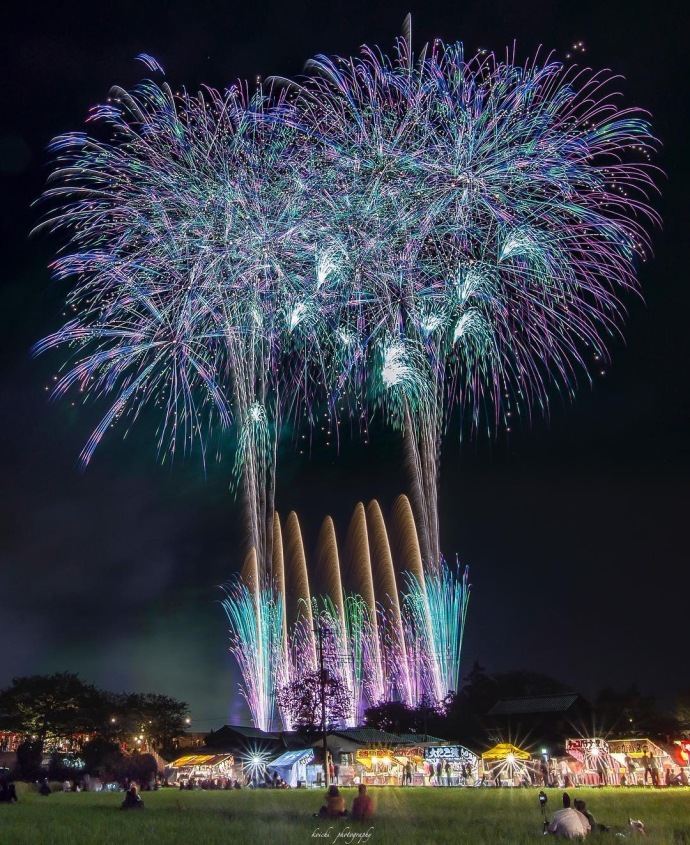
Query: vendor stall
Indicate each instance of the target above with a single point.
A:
(291, 767)
(596, 767)
(508, 765)
(412, 760)
(595, 764)
(206, 769)
(380, 766)
(641, 760)
(462, 768)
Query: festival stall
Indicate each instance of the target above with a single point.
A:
(380, 766)
(411, 758)
(680, 751)
(214, 768)
(508, 765)
(459, 765)
(596, 765)
(641, 760)
(292, 766)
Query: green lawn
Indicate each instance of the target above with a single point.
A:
(419, 815)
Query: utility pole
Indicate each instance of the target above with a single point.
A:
(322, 689)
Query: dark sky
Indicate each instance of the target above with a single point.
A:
(575, 530)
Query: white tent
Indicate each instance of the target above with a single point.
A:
(292, 766)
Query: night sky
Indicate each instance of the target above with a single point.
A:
(575, 529)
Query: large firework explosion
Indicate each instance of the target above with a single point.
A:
(492, 215)
(410, 234)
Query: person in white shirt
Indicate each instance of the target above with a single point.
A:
(568, 823)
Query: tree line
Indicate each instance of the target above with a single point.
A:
(462, 716)
(61, 712)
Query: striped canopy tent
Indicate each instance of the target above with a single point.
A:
(635, 749)
(595, 755)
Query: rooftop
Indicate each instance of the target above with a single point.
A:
(559, 703)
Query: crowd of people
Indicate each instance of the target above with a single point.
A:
(209, 783)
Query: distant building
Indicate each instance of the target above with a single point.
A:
(542, 720)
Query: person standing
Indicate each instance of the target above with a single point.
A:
(645, 766)
(654, 771)
(439, 772)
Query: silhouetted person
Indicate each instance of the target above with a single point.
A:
(8, 792)
(654, 771)
(362, 806)
(646, 767)
(132, 800)
(581, 807)
(335, 805)
(44, 788)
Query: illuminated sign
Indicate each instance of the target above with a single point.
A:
(373, 753)
(635, 747)
(452, 753)
(587, 746)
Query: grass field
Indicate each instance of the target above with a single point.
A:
(403, 816)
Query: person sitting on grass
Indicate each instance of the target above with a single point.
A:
(335, 805)
(44, 788)
(362, 806)
(8, 792)
(581, 807)
(568, 823)
(132, 799)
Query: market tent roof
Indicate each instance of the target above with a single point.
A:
(421, 739)
(502, 750)
(369, 736)
(289, 758)
(201, 760)
(286, 764)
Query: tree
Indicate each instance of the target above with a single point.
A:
(302, 699)
(633, 714)
(29, 761)
(391, 716)
(316, 701)
(101, 756)
(142, 719)
(683, 711)
(51, 707)
(396, 717)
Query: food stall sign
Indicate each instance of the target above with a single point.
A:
(369, 755)
(587, 746)
(451, 753)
